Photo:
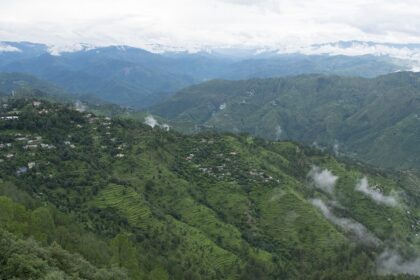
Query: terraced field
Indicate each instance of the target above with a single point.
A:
(128, 202)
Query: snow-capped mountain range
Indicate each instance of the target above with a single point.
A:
(141, 76)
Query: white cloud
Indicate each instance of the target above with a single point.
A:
(336, 149)
(346, 224)
(199, 23)
(390, 262)
(277, 132)
(79, 106)
(363, 186)
(152, 122)
(323, 179)
(165, 126)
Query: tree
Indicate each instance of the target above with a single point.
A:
(42, 225)
(124, 254)
(158, 273)
(13, 217)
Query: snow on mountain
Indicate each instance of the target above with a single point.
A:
(57, 50)
(8, 48)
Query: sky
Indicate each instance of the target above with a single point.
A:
(189, 24)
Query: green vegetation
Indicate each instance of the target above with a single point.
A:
(27, 86)
(27, 259)
(92, 197)
(375, 120)
(18, 84)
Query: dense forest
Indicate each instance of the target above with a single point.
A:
(84, 196)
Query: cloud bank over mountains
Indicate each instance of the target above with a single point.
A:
(278, 26)
(192, 24)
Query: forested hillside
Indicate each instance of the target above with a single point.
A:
(376, 120)
(103, 198)
(20, 85)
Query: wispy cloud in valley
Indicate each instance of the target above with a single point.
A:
(348, 225)
(390, 262)
(323, 179)
(377, 196)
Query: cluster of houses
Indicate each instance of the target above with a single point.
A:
(415, 222)
(14, 114)
(9, 115)
(106, 123)
(121, 148)
(9, 118)
(261, 176)
(227, 166)
(32, 143)
(27, 143)
(68, 143)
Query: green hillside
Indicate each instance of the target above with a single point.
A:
(155, 204)
(376, 120)
(18, 84)
(26, 86)
(26, 259)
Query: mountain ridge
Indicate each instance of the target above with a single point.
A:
(350, 112)
(135, 77)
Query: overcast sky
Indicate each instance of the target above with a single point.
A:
(189, 23)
